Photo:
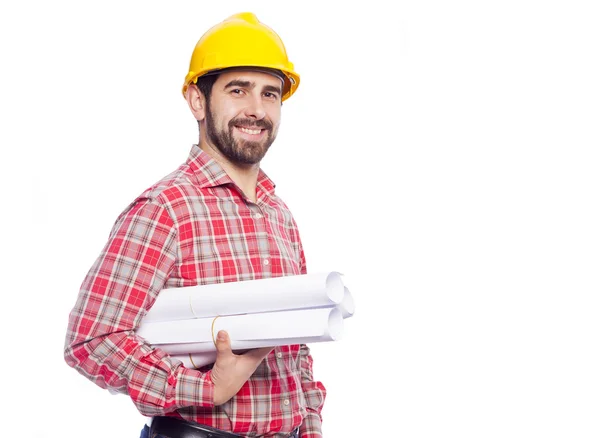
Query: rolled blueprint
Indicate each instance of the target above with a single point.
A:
(251, 296)
(196, 360)
(245, 331)
(347, 304)
(208, 355)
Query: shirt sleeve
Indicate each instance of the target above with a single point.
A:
(314, 394)
(118, 290)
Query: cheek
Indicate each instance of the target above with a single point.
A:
(275, 116)
(230, 111)
(223, 114)
(222, 121)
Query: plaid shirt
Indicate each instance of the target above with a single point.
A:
(195, 226)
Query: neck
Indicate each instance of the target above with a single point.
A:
(244, 176)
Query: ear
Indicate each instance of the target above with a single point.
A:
(196, 102)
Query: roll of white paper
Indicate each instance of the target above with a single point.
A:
(246, 331)
(252, 296)
(196, 360)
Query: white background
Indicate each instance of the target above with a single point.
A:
(442, 155)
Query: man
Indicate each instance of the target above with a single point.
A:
(215, 219)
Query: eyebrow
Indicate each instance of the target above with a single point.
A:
(251, 85)
(272, 89)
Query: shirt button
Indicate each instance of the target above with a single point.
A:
(286, 402)
(257, 216)
(266, 261)
(279, 355)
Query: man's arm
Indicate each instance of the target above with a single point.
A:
(118, 290)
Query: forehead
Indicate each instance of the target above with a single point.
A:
(256, 78)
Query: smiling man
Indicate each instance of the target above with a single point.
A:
(216, 219)
(253, 98)
(238, 112)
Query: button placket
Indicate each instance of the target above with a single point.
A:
(258, 213)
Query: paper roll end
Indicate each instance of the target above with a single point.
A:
(335, 287)
(347, 304)
(336, 324)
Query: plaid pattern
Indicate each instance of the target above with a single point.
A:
(193, 227)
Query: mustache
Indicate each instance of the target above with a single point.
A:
(250, 123)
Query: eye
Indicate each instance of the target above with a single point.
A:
(271, 96)
(237, 91)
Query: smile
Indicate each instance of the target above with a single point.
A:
(250, 131)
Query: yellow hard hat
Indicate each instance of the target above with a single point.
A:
(241, 41)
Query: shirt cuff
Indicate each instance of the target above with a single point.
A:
(311, 426)
(194, 388)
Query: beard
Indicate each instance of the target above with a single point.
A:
(239, 152)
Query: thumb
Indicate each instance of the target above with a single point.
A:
(223, 343)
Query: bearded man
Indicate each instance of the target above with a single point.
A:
(216, 219)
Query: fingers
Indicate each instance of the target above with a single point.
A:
(223, 343)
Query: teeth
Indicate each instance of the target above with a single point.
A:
(250, 131)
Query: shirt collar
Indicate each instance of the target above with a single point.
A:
(209, 173)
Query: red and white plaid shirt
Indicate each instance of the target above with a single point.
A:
(195, 226)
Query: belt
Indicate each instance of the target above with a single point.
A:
(173, 427)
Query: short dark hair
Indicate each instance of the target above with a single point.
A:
(205, 84)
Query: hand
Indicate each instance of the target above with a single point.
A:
(230, 370)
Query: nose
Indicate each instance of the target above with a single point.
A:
(255, 108)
